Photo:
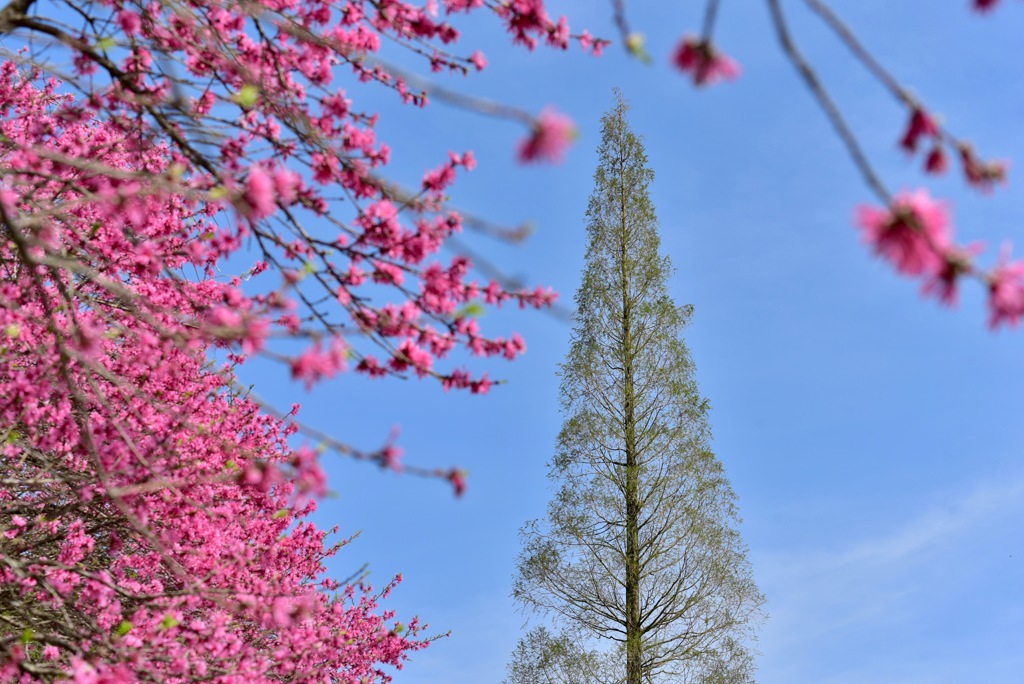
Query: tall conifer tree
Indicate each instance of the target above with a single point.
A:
(640, 545)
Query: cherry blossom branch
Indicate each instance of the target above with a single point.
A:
(979, 174)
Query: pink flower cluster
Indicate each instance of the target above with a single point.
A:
(703, 62)
(550, 138)
(154, 524)
(922, 126)
(153, 517)
(915, 235)
(304, 121)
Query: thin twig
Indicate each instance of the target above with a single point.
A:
(621, 21)
(859, 51)
(710, 13)
(824, 99)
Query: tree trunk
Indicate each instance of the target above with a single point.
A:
(634, 644)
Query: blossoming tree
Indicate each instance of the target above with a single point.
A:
(152, 513)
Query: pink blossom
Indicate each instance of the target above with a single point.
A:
(458, 479)
(410, 354)
(309, 476)
(254, 335)
(439, 179)
(920, 125)
(263, 476)
(481, 386)
(130, 22)
(287, 185)
(956, 262)
(467, 159)
(703, 62)
(981, 174)
(1006, 293)
(478, 60)
(77, 544)
(462, 5)
(390, 457)
(552, 134)
(912, 234)
(514, 346)
(936, 162)
(282, 611)
(225, 317)
(380, 224)
(315, 364)
(558, 35)
(259, 197)
(82, 672)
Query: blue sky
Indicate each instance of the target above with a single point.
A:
(874, 438)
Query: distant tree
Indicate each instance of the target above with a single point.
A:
(640, 545)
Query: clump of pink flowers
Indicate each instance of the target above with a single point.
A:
(703, 62)
(1006, 292)
(160, 232)
(922, 126)
(915, 234)
(551, 136)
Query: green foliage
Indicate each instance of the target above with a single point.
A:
(640, 545)
(542, 657)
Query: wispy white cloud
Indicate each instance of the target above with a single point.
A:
(941, 524)
(863, 611)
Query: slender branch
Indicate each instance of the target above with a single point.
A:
(620, 20)
(859, 51)
(827, 104)
(864, 56)
(710, 13)
(15, 10)
(456, 98)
